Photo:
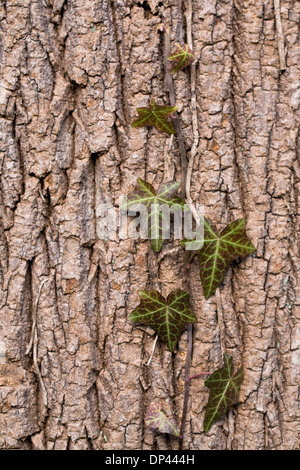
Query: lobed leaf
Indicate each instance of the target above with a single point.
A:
(157, 116)
(219, 250)
(224, 388)
(157, 420)
(181, 57)
(145, 194)
(168, 317)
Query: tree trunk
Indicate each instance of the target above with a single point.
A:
(73, 371)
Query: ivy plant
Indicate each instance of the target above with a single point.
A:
(156, 115)
(219, 250)
(182, 57)
(145, 194)
(171, 316)
(168, 317)
(224, 387)
(158, 421)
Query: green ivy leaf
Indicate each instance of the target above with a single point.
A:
(181, 57)
(145, 194)
(224, 388)
(219, 250)
(168, 317)
(157, 116)
(157, 420)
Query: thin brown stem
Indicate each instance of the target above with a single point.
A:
(194, 149)
(191, 259)
(153, 350)
(33, 345)
(201, 374)
(187, 383)
(176, 120)
(220, 321)
(280, 36)
(183, 158)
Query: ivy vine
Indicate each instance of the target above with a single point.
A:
(171, 316)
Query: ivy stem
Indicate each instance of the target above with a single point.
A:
(187, 383)
(280, 36)
(191, 259)
(201, 374)
(183, 159)
(222, 333)
(153, 350)
(176, 120)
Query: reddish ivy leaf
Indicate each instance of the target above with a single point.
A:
(181, 57)
(157, 116)
(219, 250)
(157, 420)
(168, 317)
(224, 388)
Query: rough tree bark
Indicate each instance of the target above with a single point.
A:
(72, 74)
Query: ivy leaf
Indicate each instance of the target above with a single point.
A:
(157, 116)
(168, 317)
(145, 194)
(219, 250)
(181, 57)
(157, 420)
(224, 388)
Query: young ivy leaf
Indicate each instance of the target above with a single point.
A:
(181, 57)
(157, 420)
(219, 250)
(168, 317)
(157, 116)
(224, 388)
(145, 194)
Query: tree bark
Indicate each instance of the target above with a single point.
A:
(72, 75)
